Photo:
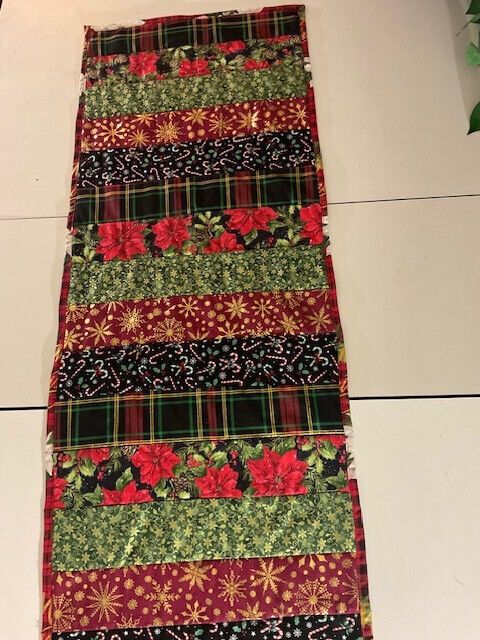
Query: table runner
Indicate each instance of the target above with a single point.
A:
(200, 470)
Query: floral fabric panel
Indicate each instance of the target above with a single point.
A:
(206, 592)
(190, 530)
(237, 119)
(274, 270)
(207, 317)
(207, 469)
(116, 96)
(242, 190)
(180, 31)
(324, 627)
(273, 151)
(201, 60)
(233, 363)
(220, 413)
(209, 232)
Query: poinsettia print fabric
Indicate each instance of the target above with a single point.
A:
(206, 592)
(207, 232)
(184, 62)
(200, 464)
(209, 469)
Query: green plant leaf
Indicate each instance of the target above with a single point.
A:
(472, 55)
(475, 120)
(473, 8)
(94, 498)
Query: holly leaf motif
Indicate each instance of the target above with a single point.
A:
(328, 451)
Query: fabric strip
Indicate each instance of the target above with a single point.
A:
(171, 197)
(206, 592)
(178, 31)
(276, 269)
(115, 96)
(200, 60)
(207, 317)
(237, 119)
(179, 531)
(273, 151)
(233, 363)
(193, 415)
(338, 627)
(208, 469)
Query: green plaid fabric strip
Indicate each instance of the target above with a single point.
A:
(185, 196)
(196, 415)
(193, 30)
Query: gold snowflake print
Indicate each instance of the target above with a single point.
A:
(100, 331)
(267, 576)
(196, 116)
(75, 312)
(63, 613)
(195, 573)
(194, 614)
(143, 118)
(262, 308)
(248, 120)
(131, 319)
(220, 124)
(162, 597)
(298, 115)
(70, 339)
(351, 590)
(188, 306)
(289, 325)
(112, 132)
(252, 612)
(313, 597)
(170, 330)
(104, 601)
(237, 307)
(320, 319)
(167, 132)
(138, 138)
(232, 587)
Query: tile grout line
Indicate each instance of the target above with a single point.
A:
(448, 396)
(330, 204)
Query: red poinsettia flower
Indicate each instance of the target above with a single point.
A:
(128, 495)
(172, 232)
(279, 39)
(249, 65)
(312, 223)
(141, 64)
(277, 475)
(219, 483)
(225, 242)
(155, 461)
(57, 489)
(231, 47)
(96, 455)
(193, 68)
(245, 220)
(121, 240)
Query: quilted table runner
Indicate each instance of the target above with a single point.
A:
(200, 471)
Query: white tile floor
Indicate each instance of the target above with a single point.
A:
(393, 97)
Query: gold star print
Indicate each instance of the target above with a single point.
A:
(112, 132)
(104, 601)
(138, 138)
(131, 320)
(100, 331)
(232, 587)
(196, 116)
(167, 132)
